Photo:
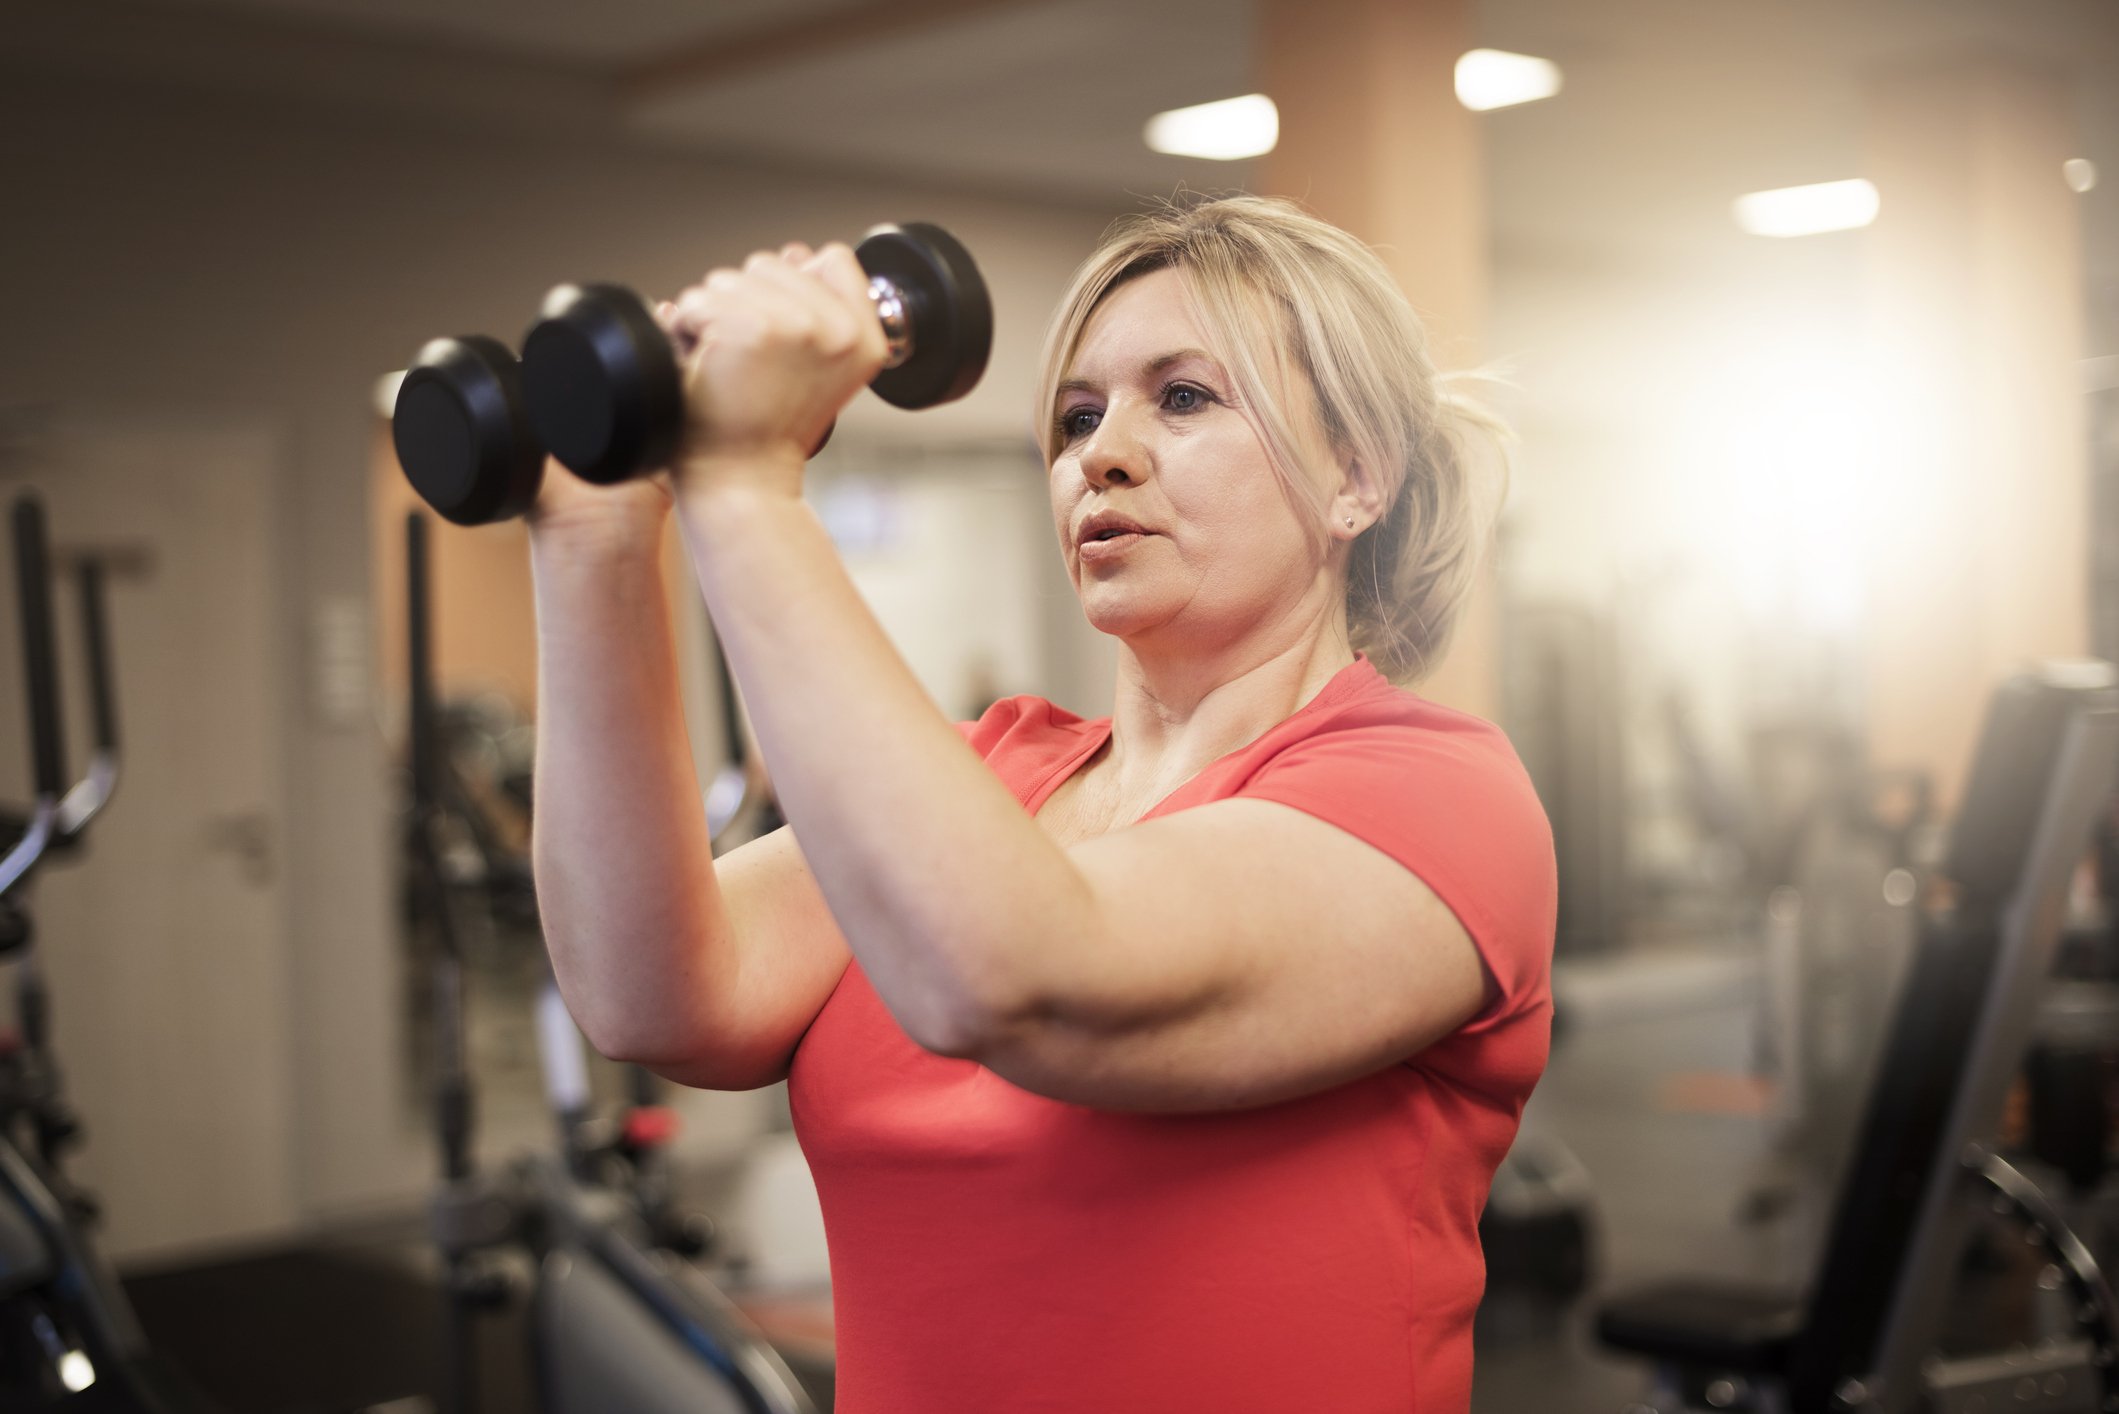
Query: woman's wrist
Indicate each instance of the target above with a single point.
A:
(761, 469)
(726, 490)
(599, 530)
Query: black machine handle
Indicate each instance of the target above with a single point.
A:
(463, 1208)
(453, 1080)
(39, 659)
(93, 791)
(419, 666)
(75, 807)
(41, 679)
(88, 579)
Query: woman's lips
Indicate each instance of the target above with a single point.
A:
(1111, 546)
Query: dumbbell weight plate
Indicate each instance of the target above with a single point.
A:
(462, 434)
(950, 312)
(603, 383)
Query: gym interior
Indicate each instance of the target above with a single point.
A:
(1805, 318)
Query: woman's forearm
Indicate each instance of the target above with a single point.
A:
(945, 890)
(625, 879)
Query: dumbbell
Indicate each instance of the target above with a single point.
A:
(601, 386)
(462, 431)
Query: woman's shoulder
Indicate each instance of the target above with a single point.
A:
(1362, 707)
(1442, 792)
(1438, 788)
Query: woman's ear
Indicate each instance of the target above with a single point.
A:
(1358, 503)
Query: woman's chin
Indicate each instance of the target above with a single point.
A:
(1120, 618)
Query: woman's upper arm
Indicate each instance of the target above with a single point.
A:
(1362, 896)
(789, 956)
(1244, 953)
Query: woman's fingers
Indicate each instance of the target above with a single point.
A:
(814, 310)
(817, 297)
(840, 269)
(680, 335)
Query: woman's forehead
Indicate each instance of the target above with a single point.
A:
(1146, 318)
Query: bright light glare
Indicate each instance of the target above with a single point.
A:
(1802, 466)
(1809, 211)
(1495, 78)
(1225, 131)
(2080, 173)
(76, 1371)
(1800, 447)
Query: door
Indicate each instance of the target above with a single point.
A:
(165, 943)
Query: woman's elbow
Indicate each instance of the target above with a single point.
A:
(629, 1038)
(952, 1035)
(965, 1022)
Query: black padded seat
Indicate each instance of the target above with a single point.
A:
(1731, 1329)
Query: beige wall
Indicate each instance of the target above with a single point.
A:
(1373, 138)
(1975, 295)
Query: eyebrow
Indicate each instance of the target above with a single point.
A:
(1153, 365)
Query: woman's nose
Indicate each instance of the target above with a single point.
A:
(1115, 454)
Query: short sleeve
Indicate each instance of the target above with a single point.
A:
(1028, 742)
(997, 721)
(1452, 804)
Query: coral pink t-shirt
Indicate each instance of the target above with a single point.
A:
(994, 1250)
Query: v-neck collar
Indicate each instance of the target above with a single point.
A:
(1349, 682)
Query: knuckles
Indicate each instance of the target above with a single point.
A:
(754, 312)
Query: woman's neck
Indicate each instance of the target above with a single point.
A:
(1176, 713)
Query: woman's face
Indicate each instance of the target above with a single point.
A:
(1175, 528)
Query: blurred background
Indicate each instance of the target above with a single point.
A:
(1810, 319)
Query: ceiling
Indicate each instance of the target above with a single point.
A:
(1671, 107)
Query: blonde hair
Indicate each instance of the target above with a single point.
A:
(1273, 284)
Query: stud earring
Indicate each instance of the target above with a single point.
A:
(1349, 522)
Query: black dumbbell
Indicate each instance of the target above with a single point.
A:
(599, 381)
(463, 433)
(605, 385)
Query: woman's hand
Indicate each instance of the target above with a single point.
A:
(771, 353)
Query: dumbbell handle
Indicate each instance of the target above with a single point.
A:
(893, 310)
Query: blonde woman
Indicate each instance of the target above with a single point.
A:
(1156, 1062)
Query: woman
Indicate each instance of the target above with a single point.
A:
(1152, 1063)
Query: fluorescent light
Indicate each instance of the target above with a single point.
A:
(2080, 173)
(1225, 131)
(1808, 211)
(1495, 78)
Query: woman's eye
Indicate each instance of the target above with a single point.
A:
(1184, 397)
(1077, 422)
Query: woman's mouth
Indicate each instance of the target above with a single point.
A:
(1110, 544)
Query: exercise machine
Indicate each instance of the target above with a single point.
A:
(620, 1320)
(69, 1340)
(1864, 1338)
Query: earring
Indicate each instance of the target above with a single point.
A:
(1349, 522)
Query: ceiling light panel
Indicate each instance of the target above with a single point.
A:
(1809, 210)
(1226, 131)
(1495, 78)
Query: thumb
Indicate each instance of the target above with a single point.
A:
(840, 271)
